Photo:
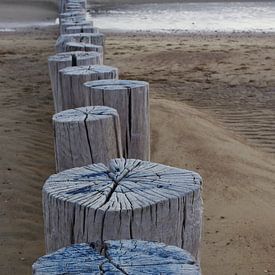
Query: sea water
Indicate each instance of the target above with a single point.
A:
(189, 17)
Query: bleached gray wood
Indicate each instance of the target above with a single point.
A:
(131, 100)
(81, 29)
(92, 38)
(132, 257)
(127, 199)
(86, 135)
(74, 7)
(67, 15)
(68, 23)
(86, 47)
(63, 3)
(63, 60)
(71, 81)
(73, 19)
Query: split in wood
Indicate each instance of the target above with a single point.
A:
(127, 199)
(71, 81)
(68, 59)
(118, 257)
(131, 99)
(86, 135)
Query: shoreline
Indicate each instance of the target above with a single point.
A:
(104, 4)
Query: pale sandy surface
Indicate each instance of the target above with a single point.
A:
(213, 106)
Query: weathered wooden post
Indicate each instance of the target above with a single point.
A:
(73, 7)
(67, 24)
(127, 199)
(85, 47)
(131, 100)
(118, 257)
(92, 38)
(71, 81)
(79, 14)
(63, 60)
(64, 3)
(81, 29)
(86, 135)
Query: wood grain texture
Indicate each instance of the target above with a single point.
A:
(81, 29)
(63, 3)
(68, 59)
(130, 257)
(86, 47)
(127, 199)
(66, 24)
(86, 135)
(131, 100)
(92, 38)
(81, 14)
(71, 81)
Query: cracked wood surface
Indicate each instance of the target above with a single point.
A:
(64, 25)
(118, 257)
(86, 135)
(85, 47)
(92, 38)
(131, 99)
(81, 29)
(68, 59)
(127, 199)
(71, 81)
(63, 4)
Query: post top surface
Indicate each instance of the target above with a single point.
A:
(67, 56)
(113, 84)
(131, 257)
(88, 70)
(122, 184)
(84, 114)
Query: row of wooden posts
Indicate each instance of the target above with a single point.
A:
(109, 209)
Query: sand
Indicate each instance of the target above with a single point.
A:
(212, 111)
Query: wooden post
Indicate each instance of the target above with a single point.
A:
(63, 60)
(131, 100)
(86, 47)
(81, 29)
(67, 24)
(118, 257)
(74, 19)
(63, 3)
(72, 80)
(92, 38)
(73, 14)
(86, 135)
(127, 199)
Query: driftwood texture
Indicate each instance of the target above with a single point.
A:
(86, 135)
(92, 38)
(67, 24)
(63, 3)
(63, 60)
(86, 47)
(128, 199)
(131, 100)
(81, 29)
(71, 81)
(81, 14)
(130, 257)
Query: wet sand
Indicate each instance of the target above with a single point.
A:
(212, 111)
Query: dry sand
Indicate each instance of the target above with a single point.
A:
(213, 111)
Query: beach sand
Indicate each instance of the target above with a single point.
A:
(212, 111)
